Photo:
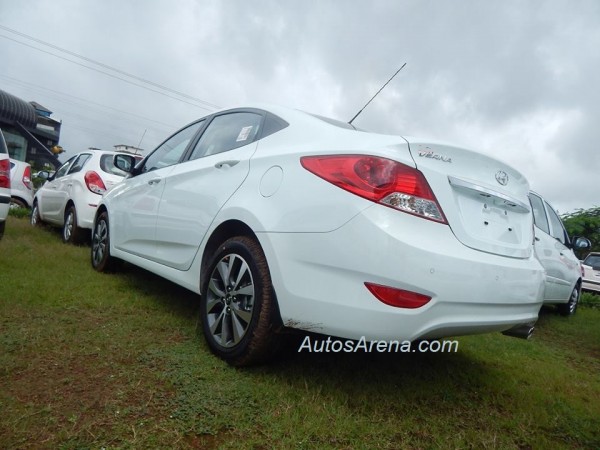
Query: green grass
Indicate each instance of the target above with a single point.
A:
(90, 360)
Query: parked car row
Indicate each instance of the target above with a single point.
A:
(282, 219)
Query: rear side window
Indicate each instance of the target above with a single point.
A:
(227, 132)
(539, 215)
(107, 165)
(558, 231)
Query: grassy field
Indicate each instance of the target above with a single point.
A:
(89, 360)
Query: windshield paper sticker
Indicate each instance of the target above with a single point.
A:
(244, 133)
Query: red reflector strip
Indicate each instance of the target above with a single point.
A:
(397, 297)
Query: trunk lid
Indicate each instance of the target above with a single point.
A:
(485, 200)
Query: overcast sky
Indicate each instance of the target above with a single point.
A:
(515, 79)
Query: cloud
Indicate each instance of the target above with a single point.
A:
(518, 80)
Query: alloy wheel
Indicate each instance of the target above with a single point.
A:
(99, 241)
(230, 300)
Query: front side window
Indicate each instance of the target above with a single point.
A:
(558, 231)
(227, 132)
(170, 151)
(62, 170)
(79, 163)
(539, 215)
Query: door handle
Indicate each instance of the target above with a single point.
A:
(537, 239)
(229, 163)
(154, 181)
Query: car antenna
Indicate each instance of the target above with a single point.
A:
(377, 93)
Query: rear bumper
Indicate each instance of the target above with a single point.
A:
(319, 280)
(590, 285)
(86, 209)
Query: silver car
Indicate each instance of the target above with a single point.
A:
(554, 249)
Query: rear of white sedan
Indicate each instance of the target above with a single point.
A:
(317, 226)
(389, 238)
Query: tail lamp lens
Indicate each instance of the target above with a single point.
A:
(27, 178)
(380, 180)
(5, 173)
(94, 183)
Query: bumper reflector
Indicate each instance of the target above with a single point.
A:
(397, 297)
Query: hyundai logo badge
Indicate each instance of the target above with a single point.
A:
(502, 177)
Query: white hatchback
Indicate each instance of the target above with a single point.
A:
(21, 187)
(69, 197)
(280, 218)
(554, 249)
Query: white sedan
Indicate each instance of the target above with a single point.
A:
(69, 197)
(280, 218)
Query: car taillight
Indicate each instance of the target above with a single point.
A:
(94, 183)
(5, 173)
(27, 178)
(380, 180)
(397, 297)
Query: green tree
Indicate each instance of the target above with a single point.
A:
(586, 223)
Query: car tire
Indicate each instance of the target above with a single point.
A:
(35, 219)
(238, 308)
(101, 258)
(18, 203)
(71, 233)
(569, 308)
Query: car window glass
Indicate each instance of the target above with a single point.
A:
(79, 163)
(593, 261)
(557, 227)
(227, 132)
(62, 170)
(539, 215)
(170, 151)
(107, 165)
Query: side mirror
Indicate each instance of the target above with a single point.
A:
(43, 175)
(581, 243)
(125, 162)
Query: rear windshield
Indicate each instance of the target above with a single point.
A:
(593, 260)
(106, 164)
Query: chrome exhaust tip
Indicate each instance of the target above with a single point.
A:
(523, 331)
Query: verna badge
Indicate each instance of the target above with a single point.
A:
(432, 155)
(502, 177)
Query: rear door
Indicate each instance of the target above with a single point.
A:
(197, 189)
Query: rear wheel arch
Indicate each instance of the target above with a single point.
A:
(19, 201)
(225, 231)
